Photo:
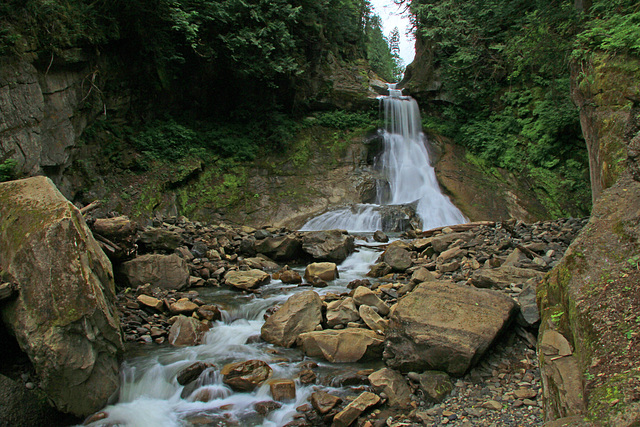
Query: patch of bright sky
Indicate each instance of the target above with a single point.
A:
(392, 16)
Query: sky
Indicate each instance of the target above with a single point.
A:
(390, 15)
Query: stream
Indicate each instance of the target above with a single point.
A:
(150, 394)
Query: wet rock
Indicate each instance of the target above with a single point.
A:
(445, 326)
(164, 271)
(307, 376)
(342, 346)
(380, 237)
(330, 245)
(282, 390)
(324, 402)
(64, 316)
(365, 296)
(247, 280)
(301, 313)
(290, 277)
(265, 408)
(192, 372)
(209, 312)
(187, 331)
(246, 376)
(397, 258)
(354, 409)
(392, 384)
(321, 270)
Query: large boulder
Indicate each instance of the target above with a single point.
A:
(164, 271)
(301, 313)
(342, 346)
(321, 270)
(331, 245)
(445, 326)
(280, 248)
(247, 280)
(341, 312)
(64, 316)
(160, 239)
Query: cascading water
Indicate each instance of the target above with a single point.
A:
(407, 170)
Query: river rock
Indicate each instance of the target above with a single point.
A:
(209, 312)
(160, 239)
(341, 312)
(280, 247)
(436, 385)
(442, 242)
(164, 271)
(393, 385)
(192, 372)
(330, 245)
(502, 277)
(150, 302)
(301, 313)
(445, 326)
(529, 314)
(421, 275)
(290, 277)
(246, 376)
(354, 409)
(64, 316)
(187, 331)
(247, 280)
(183, 306)
(365, 296)
(342, 346)
(397, 258)
(117, 229)
(282, 390)
(380, 237)
(321, 270)
(324, 402)
(372, 319)
(379, 270)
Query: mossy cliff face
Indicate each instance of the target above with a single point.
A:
(605, 89)
(591, 299)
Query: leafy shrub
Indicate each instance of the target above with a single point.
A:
(343, 120)
(8, 170)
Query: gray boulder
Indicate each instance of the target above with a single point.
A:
(331, 245)
(445, 326)
(63, 317)
(164, 271)
(301, 313)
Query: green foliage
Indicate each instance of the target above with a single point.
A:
(611, 25)
(342, 119)
(8, 170)
(379, 52)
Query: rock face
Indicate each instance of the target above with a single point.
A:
(331, 245)
(301, 313)
(342, 346)
(63, 316)
(165, 271)
(445, 326)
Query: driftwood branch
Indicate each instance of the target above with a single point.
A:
(91, 206)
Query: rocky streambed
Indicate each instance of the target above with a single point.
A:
(275, 327)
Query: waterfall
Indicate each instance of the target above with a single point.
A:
(407, 169)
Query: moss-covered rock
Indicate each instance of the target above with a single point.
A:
(64, 316)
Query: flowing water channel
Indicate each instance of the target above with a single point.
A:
(150, 394)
